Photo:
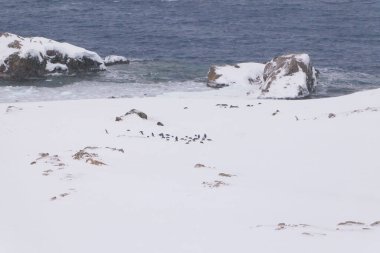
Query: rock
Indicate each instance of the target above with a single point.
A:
(115, 59)
(138, 113)
(19, 68)
(240, 74)
(212, 77)
(133, 111)
(12, 108)
(284, 77)
(225, 175)
(116, 149)
(24, 58)
(289, 76)
(95, 162)
(15, 44)
(351, 223)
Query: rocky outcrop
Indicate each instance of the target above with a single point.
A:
(141, 114)
(23, 58)
(115, 59)
(287, 76)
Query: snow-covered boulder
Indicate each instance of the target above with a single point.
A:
(23, 58)
(240, 74)
(115, 59)
(289, 76)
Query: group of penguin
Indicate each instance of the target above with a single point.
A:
(187, 139)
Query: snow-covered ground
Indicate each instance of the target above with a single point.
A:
(263, 176)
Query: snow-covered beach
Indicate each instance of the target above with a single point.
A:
(205, 172)
(192, 126)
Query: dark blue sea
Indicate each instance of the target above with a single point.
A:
(172, 43)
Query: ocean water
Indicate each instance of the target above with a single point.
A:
(172, 43)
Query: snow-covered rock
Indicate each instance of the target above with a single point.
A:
(289, 76)
(240, 74)
(286, 76)
(23, 58)
(115, 59)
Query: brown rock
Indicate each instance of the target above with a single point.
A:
(212, 76)
(6, 35)
(288, 65)
(94, 162)
(15, 44)
(225, 175)
(25, 68)
(138, 113)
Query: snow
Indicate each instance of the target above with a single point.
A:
(51, 67)
(38, 47)
(310, 164)
(287, 86)
(305, 58)
(239, 74)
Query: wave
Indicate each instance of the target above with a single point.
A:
(146, 77)
(94, 89)
(336, 82)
